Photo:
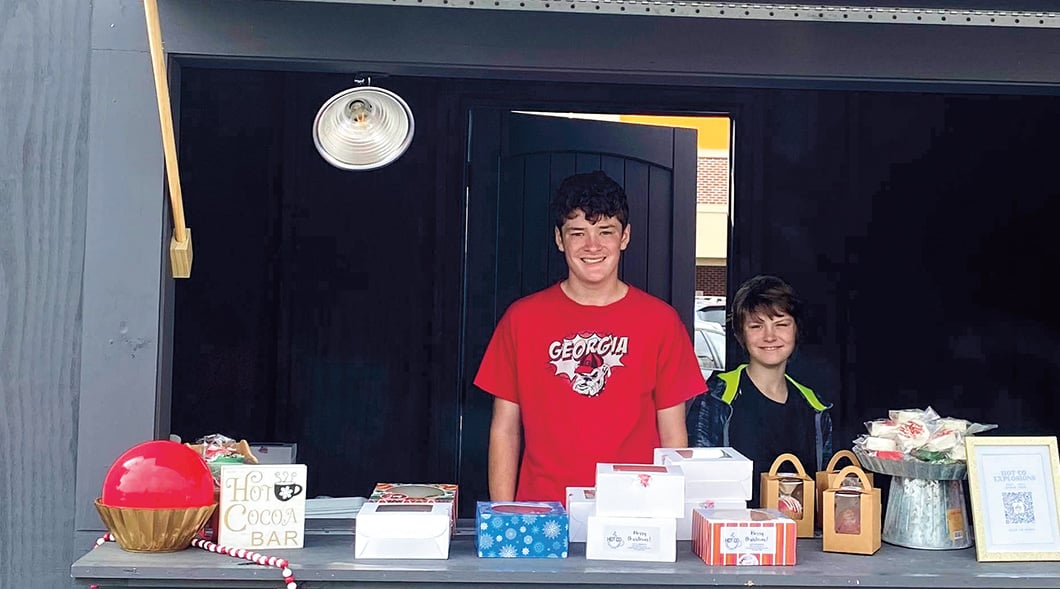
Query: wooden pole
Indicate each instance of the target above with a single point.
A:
(180, 252)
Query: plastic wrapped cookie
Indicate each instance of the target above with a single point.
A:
(790, 500)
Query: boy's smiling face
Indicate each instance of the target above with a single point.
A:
(592, 250)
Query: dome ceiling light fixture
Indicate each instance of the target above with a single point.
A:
(363, 127)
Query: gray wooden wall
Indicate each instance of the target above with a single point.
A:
(82, 284)
(44, 88)
(80, 270)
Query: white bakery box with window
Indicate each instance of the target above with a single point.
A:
(407, 520)
(636, 512)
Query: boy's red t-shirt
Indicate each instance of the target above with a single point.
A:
(588, 381)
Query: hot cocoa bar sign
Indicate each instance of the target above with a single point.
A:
(262, 506)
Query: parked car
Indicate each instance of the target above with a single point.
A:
(710, 309)
(710, 347)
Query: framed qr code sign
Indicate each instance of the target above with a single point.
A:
(1015, 506)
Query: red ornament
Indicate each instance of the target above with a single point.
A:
(158, 475)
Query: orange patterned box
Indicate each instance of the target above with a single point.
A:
(763, 537)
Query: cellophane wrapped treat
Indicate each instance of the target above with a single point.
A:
(218, 450)
(918, 436)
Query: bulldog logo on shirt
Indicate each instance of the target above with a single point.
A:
(588, 360)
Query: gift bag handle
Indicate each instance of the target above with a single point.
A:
(787, 457)
(843, 454)
(866, 486)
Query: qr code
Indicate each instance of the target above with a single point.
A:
(1019, 508)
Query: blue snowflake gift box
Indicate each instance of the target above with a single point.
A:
(521, 529)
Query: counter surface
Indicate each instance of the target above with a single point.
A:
(327, 561)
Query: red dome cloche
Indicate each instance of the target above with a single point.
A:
(158, 475)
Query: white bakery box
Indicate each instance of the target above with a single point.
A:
(684, 524)
(639, 490)
(403, 530)
(631, 538)
(580, 504)
(710, 473)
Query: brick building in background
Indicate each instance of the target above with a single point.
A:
(712, 195)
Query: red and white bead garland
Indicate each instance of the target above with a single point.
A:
(255, 557)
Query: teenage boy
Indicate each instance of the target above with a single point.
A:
(588, 370)
(759, 409)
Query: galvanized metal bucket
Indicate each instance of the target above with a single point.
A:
(928, 514)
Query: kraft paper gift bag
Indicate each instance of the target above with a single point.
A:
(852, 514)
(792, 493)
(829, 477)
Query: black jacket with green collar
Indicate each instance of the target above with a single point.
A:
(709, 414)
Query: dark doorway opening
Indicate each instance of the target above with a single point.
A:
(328, 308)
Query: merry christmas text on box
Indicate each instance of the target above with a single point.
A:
(650, 539)
(262, 506)
(743, 537)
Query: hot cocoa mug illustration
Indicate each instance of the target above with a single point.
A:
(287, 491)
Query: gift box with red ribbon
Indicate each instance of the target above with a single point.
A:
(640, 490)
